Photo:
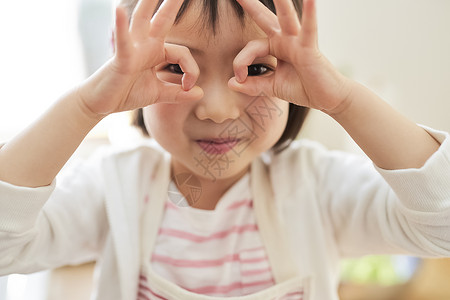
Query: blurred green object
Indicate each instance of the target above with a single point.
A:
(379, 270)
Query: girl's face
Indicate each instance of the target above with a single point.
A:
(218, 136)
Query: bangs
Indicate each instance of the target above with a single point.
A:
(210, 10)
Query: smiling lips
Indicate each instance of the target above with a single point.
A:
(217, 146)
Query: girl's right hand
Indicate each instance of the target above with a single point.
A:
(128, 80)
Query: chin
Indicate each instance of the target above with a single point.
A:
(218, 170)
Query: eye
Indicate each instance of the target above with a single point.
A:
(258, 70)
(174, 68)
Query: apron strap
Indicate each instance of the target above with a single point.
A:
(153, 213)
(271, 226)
(268, 217)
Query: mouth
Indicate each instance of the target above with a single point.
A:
(217, 146)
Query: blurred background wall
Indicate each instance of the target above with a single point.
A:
(398, 48)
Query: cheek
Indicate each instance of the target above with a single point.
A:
(283, 107)
(269, 115)
(156, 118)
(163, 119)
(278, 123)
(148, 113)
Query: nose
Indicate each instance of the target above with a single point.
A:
(218, 104)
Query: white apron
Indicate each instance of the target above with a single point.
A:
(289, 285)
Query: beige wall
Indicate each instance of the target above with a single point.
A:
(399, 48)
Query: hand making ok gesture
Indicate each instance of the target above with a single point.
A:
(128, 81)
(303, 75)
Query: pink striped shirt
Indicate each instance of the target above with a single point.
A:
(212, 252)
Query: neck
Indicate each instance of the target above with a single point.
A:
(200, 192)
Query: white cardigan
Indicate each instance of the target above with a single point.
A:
(334, 205)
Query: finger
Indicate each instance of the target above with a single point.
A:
(253, 86)
(251, 51)
(309, 24)
(287, 17)
(140, 19)
(121, 34)
(173, 93)
(262, 16)
(176, 54)
(164, 18)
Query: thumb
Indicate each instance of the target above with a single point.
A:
(253, 86)
(174, 93)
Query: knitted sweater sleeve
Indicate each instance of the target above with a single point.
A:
(60, 224)
(374, 211)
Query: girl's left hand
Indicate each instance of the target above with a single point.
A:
(303, 75)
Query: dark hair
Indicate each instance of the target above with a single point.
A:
(297, 114)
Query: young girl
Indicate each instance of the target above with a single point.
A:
(223, 88)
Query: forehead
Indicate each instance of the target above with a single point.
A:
(230, 30)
